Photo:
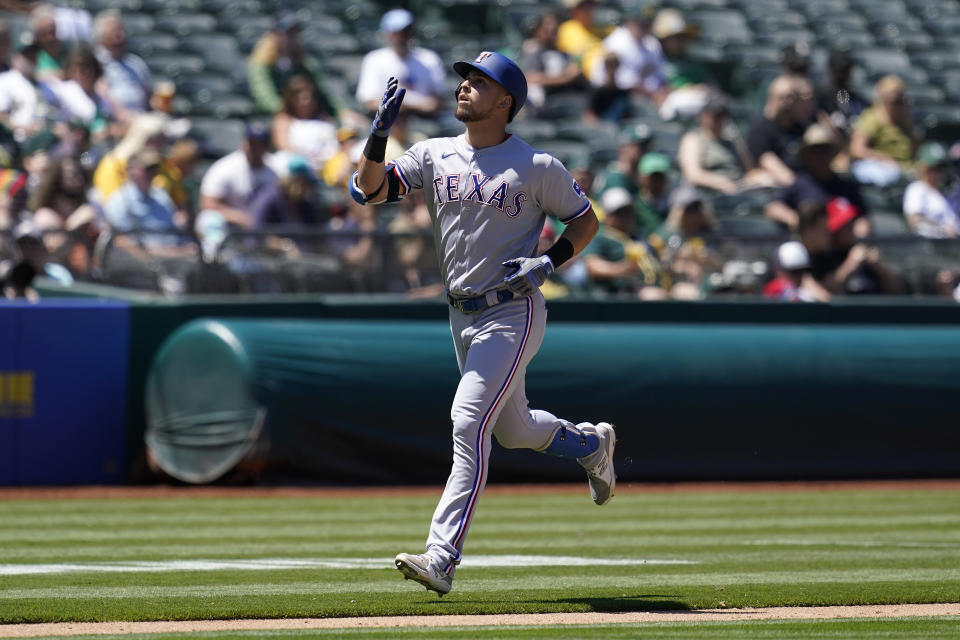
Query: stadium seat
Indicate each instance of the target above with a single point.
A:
(887, 224)
(138, 24)
(723, 26)
(185, 25)
(147, 45)
(175, 65)
(220, 51)
(173, 7)
(217, 137)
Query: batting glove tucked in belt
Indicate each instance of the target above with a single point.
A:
(528, 275)
(389, 108)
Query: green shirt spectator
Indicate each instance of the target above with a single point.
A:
(277, 58)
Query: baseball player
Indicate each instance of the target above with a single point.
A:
(488, 193)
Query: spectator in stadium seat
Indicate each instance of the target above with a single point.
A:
(793, 281)
(816, 181)
(773, 137)
(146, 130)
(836, 97)
(712, 157)
(77, 98)
(653, 201)
(140, 206)
(850, 266)
(176, 174)
(688, 80)
(682, 244)
(60, 199)
(418, 275)
(127, 77)
(419, 70)
(928, 211)
(23, 103)
(608, 101)
(579, 36)
(302, 128)
(883, 141)
(615, 262)
(230, 186)
(279, 56)
(548, 70)
(640, 57)
(293, 200)
(52, 54)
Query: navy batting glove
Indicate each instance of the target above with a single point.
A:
(389, 108)
(528, 274)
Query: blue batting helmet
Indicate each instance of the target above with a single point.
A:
(502, 70)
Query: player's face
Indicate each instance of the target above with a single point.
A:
(478, 98)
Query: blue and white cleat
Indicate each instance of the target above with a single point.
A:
(599, 464)
(421, 568)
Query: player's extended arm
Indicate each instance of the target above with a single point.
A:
(530, 273)
(370, 182)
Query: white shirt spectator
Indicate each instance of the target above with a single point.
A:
(421, 73)
(19, 98)
(641, 62)
(933, 215)
(73, 101)
(233, 180)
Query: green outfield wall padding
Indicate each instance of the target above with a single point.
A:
(367, 401)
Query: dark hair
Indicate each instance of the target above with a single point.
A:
(49, 185)
(83, 55)
(296, 84)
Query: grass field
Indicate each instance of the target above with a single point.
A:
(181, 558)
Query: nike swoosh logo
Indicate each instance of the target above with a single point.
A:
(447, 155)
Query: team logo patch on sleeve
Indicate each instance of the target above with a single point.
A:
(577, 189)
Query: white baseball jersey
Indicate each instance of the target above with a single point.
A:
(488, 205)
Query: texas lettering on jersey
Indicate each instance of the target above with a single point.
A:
(478, 188)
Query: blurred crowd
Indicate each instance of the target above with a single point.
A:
(97, 164)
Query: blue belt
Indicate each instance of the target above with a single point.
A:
(479, 303)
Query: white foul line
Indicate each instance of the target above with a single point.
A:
(273, 564)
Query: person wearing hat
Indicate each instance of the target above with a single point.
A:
(293, 200)
(793, 281)
(689, 81)
(928, 211)
(279, 56)
(815, 181)
(710, 157)
(419, 69)
(231, 183)
(653, 201)
(615, 262)
(850, 265)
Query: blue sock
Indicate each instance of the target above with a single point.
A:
(572, 443)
